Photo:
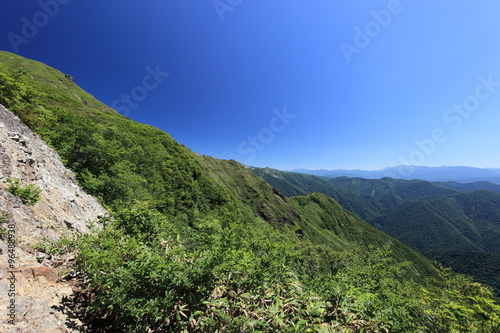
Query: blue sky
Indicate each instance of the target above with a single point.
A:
(286, 83)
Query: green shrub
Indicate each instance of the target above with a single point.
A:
(62, 246)
(29, 195)
(4, 218)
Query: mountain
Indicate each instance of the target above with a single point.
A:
(484, 267)
(439, 174)
(461, 231)
(431, 217)
(199, 244)
(388, 192)
(368, 174)
(467, 221)
(293, 184)
(471, 186)
(367, 198)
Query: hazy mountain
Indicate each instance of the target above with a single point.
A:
(460, 174)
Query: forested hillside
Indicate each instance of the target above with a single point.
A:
(439, 220)
(471, 186)
(467, 221)
(197, 244)
(367, 198)
(484, 267)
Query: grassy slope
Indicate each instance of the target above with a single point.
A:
(178, 181)
(59, 90)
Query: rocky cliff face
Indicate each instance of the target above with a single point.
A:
(33, 281)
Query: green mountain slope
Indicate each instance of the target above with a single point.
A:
(429, 217)
(390, 192)
(198, 244)
(484, 267)
(292, 184)
(367, 198)
(471, 186)
(327, 220)
(423, 215)
(316, 216)
(452, 230)
(468, 221)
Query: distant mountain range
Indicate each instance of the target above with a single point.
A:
(459, 174)
(446, 221)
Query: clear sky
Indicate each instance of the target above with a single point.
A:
(285, 83)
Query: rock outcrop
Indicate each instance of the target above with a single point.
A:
(64, 210)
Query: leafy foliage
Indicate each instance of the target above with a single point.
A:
(61, 246)
(29, 195)
(4, 218)
(484, 267)
(457, 304)
(228, 275)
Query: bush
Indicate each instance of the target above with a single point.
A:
(4, 218)
(29, 195)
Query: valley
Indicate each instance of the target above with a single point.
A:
(441, 220)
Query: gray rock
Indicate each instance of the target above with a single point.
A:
(63, 210)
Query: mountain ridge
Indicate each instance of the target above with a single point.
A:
(462, 174)
(433, 218)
